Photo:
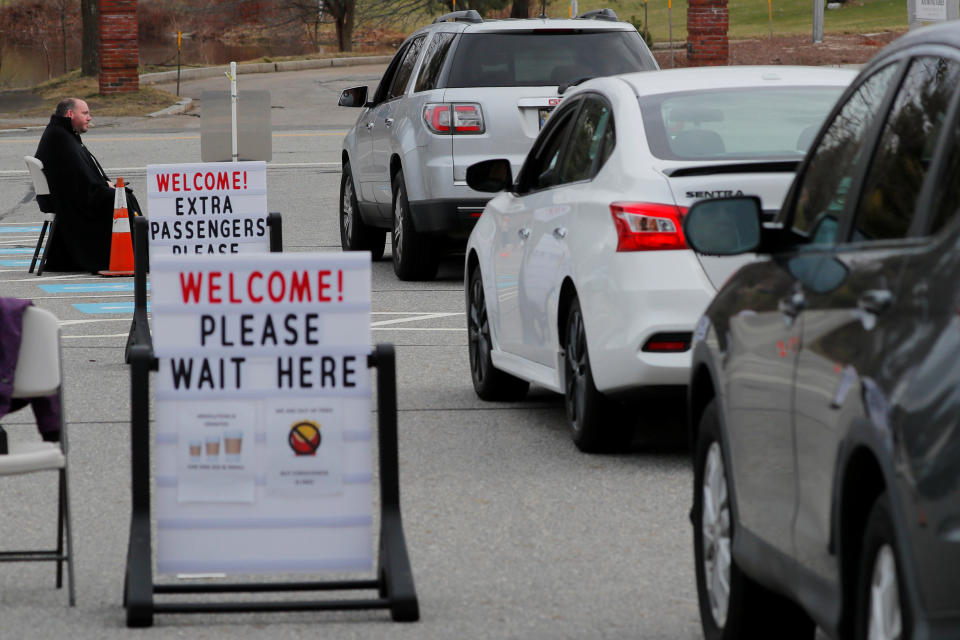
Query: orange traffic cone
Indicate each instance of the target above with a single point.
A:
(121, 244)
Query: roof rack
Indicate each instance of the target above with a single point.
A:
(468, 15)
(598, 14)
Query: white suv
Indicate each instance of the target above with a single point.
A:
(459, 91)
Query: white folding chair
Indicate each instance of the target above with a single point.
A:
(39, 374)
(45, 202)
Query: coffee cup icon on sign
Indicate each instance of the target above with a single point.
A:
(233, 445)
(304, 438)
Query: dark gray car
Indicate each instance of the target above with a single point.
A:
(825, 389)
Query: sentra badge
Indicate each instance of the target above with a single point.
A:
(304, 438)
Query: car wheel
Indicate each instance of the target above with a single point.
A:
(732, 605)
(355, 235)
(489, 382)
(596, 423)
(882, 612)
(414, 258)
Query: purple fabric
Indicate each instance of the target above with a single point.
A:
(45, 410)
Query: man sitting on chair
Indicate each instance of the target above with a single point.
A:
(82, 192)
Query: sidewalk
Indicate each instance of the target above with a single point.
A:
(195, 73)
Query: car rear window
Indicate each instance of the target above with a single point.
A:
(728, 124)
(545, 58)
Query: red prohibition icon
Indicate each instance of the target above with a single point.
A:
(304, 438)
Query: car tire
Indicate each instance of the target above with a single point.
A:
(489, 382)
(732, 605)
(882, 608)
(596, 423)
(355, 235)
(414, 257)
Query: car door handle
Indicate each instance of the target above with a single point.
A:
(388, 122)
(792, 305)
(371, 125)
(524, 233)
(560, 233)
(875, 301)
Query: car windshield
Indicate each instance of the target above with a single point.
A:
(729, 124)
(545, 57)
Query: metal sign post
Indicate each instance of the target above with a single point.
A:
(670, 20)
(770, 16)
(233, 108)
(179, 38)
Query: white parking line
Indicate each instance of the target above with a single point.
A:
(426, 316)
(41, 279)
(418, 328)
(67, 323)
(92, 294)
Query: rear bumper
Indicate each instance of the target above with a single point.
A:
(451, 218)
(636, 296)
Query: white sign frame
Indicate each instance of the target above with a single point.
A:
(250, 503)
(207, 208)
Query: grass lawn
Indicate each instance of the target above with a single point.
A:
(750, 18)
(146, 100)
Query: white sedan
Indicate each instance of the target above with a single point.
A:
(578, 278)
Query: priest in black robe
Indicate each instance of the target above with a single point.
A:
(82, 193)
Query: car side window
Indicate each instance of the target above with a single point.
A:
(591, 141)
(823, 189)
(433, 61)
(386, 80)
(399, 84)
(945, 203)
(905, 150)
(541, 169)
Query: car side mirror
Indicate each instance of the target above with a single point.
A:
(724, 226)
(490, 176)
(353, 97)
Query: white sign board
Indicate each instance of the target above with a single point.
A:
(207, 208)
(932, 10)
(263, 433)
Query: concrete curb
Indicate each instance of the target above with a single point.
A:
(173, 110)
(259, 67)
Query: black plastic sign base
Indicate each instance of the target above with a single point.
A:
(394, 581)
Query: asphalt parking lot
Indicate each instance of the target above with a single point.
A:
(511, 532)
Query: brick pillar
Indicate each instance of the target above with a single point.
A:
(119, 49)
(707, 24)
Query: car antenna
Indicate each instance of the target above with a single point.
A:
(543, 9)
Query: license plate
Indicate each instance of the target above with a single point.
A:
(544, 114)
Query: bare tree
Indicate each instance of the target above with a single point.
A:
(520, 9)
(64, 10)
(344, 13)
(312, 13)
(392, 10)
(90, 41)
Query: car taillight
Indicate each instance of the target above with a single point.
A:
(467, 118)
(437, 117)
(668, 343)
(647, 226)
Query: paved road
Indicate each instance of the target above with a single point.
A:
(512, 533)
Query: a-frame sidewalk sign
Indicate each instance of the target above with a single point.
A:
(140, 325)
(262, 460)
